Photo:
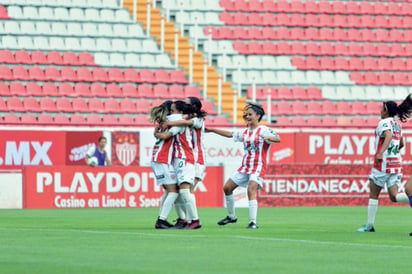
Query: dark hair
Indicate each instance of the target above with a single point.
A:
(256, 108)
(167, 105)
(102, 138)
(403, 110)
(197, 107)
(181, 106)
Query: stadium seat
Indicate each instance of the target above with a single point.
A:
(110, 120)
(130, 91)
(126, 120)
(11, 119)
(314, 108)
(128, 106)
(28, 119)
(111, 106)
(176, 91)
(31, 104)
(80, 105)
(64, 105)
(34, 89)
(161, 91)
(77, 119)
(47, 105)
(143, 106)
(93, 119)
(96, 105)
(17, 89)
(131, 75)
(100, 75)
(15, 104)
(61, 119)
(115, 75)
(68, 74)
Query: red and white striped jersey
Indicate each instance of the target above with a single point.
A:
(182, 145)
(163, 149)
(392, 160)
(256, 148)
(198, 131)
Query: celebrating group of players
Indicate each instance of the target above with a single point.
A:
(178, 160)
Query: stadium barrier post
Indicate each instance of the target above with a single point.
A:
(224, 64)
(190, 64)
(148, 19)
(205, 67)
(239, 83)
(235, 107)
(177, 48)
(134, 10)
(120, 4)
(219, 95)
(162, 33)
(253, 90)
(154, 3)
(182, 25)
(269, 108)
(209, 41)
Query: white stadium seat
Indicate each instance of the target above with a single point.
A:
(72, 43)
(77, 14)
(150, 46)
(119, 44)
(132, 60)
(102, 59)
(9, 42)
(44, 28)
(61, 14)
(92, 15)
(117, 59)
(163, 60)
(15, 12)
(122, 15)
(11, 27)
(59, 28)
(103, 44)
(41, 43)
(105, 30)
(56, 43)
(148, 60)
(90, 29)
(74, 29)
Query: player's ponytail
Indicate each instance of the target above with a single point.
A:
(197, 107)
(403, 111)
(159, 114)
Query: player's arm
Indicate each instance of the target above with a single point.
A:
(108, 162)
(272, 137)
(387, 134)
(402, 143)
(221, 132)
(163, 135)
(89, 154)
(180, 123)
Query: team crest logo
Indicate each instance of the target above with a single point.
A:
(126, 153)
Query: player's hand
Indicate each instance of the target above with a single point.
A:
(163, 126)
(379, 157)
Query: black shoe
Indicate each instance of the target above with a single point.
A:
(163, 224)
(252, 225)
(181, 224)
(410, 234)
(226, 221)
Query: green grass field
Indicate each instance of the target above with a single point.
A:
(290, 240)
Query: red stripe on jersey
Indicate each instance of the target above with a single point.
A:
(163, 151)
(376, 164)
(256, 153)
(197, 144)
(183, 148)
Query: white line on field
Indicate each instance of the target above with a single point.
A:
(104, 232)
(321, 242)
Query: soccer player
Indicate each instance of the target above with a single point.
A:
(161, 166)
(99, 152)
(183, 161)
(197, 124)
(387, 167)
(256, 140)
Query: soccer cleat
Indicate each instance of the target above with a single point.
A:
(181, 224)
(163, 224)
(252, 225)
(195, 224)
(410, 234)
(227, 220)
(366, 228)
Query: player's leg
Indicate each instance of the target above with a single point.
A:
(372, 207)
(231, 184)
(192, 214)
(253, 204)
(167, 206)
(408, 190)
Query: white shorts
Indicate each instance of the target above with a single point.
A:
(200, 171)
(185, 172)
(243, 179)
(164, 174)
(381, 178)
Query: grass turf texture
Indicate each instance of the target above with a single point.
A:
(290, 240)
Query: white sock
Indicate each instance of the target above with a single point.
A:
(402, 198)
(180, 208)
(190, 206)
(230, 205)
(167, 205)
(372, 209)
(162, 200)
(253, 207)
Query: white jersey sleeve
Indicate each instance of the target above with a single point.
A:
(91, 151)
(197, 122)
(176, 130)
(268, 132)
(382, 127)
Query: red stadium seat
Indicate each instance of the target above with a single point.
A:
(78, 119)
(110, 120)
(299, 108)
(34, 89)
(36, 74)
(385, 78)
(54, 57)
(147, 76)
(70, 58)
(50, 89)
(126, 120)
(52, 74)
(17, 89)
(45, 119)
(176, 91)
(98, 90)
(4, 89)
(130, 91)
(66, 89)
(220, 121)
(100, 75)
(343, 107)
(298, 121)
(22, 57)
(3, 13)
(115, 75)
(178, 77)
(358, 108)
(38, 57)
(372, 108)
(329, 121)
(28, 119)
(86, 59)
(5, 73)
(15, 104)
(284, 93)
(93, 119)
(143, 106)
(68, 74)
(113, 90)
(284, 108)
(191, 91)
(96, 105)
(3, 105)
(314, 108)
(314, 122)
(355, 63)
(314, 93)
(11, 119)
(48, 105)
(64, 105)
(128, 106)
(31, 104)
(162, 76)
(161, 91)
(84, 75)
(370, 78)
(20, 73)
(80, 105)
(283, 121)
(372, 121)
(208, 107)
(369, 63)
(82, 90)
(142, 120)
(328, 107)
(111, 106)
(299, 93)
(6, 56)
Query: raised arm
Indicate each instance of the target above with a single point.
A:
(163, 135)
(272, 139)
(179, 123)
(221, 132)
